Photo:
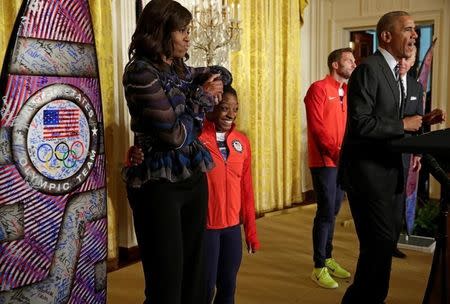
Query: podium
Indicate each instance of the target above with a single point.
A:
(435, 148)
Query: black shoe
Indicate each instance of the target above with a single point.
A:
(398, 254)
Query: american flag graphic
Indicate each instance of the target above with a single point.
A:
(61, 123)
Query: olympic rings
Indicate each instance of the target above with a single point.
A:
(65, 153)
(72, 149)
(73, 163)
(62, 152)
(46, 153)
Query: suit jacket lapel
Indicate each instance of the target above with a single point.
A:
(386, 70)
(410, 81)
(413, 92)
(409, 93)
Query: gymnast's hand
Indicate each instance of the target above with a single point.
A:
(251, 248)
(135, 156)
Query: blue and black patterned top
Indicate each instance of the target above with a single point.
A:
(167, 115)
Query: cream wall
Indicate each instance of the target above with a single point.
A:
(328, 24)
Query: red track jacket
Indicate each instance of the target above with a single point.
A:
(326, 115)
(231, 198)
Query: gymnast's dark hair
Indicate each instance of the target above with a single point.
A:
(229, 90)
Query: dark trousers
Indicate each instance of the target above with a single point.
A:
(329, 200)
(376, 222)
(169, 220)
(223, 259)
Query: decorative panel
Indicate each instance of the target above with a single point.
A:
(52, 159)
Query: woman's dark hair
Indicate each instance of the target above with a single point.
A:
(152, 37)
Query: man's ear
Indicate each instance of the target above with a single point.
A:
(335, 65)
(386, 36)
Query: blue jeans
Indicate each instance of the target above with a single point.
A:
(223, 259)
(329, 199)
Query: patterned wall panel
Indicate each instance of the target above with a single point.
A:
(52, 160)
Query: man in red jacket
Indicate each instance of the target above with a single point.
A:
(326, 112)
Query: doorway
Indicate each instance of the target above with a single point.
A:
(362, 43)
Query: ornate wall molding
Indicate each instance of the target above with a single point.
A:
(381, 6)
(124, 15)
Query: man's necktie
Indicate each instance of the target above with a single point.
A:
(400, 84)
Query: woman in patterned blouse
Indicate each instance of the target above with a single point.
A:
(168, 191)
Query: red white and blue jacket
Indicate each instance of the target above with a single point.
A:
(231, 199)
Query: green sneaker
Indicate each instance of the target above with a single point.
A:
(322, 278)
(336, 270)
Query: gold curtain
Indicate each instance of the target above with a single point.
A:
(101, 17)
(8, 12)
(266, 75)
(102, 21)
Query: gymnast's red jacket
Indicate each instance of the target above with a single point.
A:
(231, 200)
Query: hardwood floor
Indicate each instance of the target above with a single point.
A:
(279, 272)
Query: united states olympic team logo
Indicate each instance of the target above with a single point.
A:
(55, 139)
(237, 145)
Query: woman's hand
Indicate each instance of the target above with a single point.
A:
(214, 87)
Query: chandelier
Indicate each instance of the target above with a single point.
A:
(215, 31)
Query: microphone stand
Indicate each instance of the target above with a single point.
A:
(440, 263)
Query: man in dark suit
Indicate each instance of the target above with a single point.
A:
(412, 105)
(371, 174)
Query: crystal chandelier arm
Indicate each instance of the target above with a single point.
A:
(215, 31)
(199, 46)
(230, 36)
(222, 44)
